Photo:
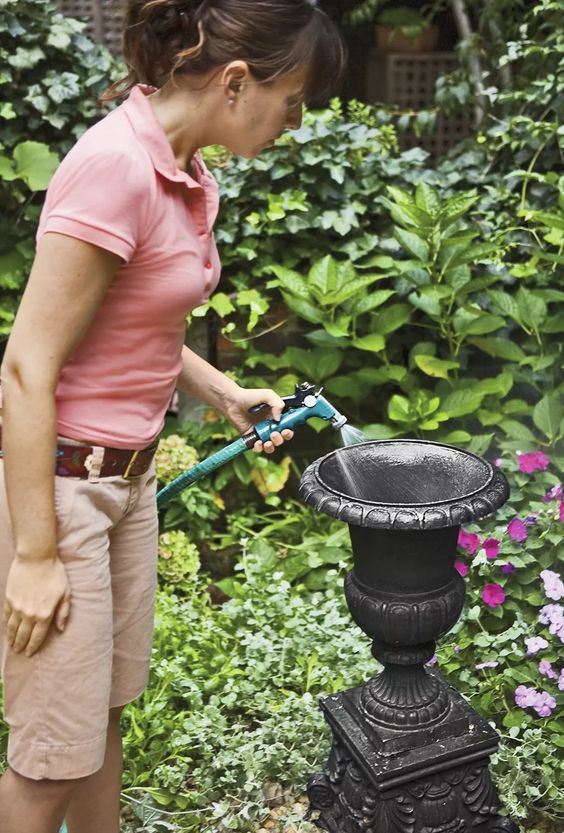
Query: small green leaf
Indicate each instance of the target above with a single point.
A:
(35, 164)
(437, 368)
(547, 415)
(373, 342)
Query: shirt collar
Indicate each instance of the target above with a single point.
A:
(150, 133)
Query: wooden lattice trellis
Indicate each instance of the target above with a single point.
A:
(104, 18)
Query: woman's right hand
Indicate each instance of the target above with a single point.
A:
(37, 592)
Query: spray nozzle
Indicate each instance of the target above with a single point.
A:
(305, 403)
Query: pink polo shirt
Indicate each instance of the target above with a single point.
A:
(120, 188)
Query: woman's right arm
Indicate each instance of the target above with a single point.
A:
(67, 284)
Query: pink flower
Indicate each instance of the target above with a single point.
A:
(517, 530)
(545, 668)
(535, 644)
(461, 568)
(468, 541)
(491, 546)
(507, 568)
(493, 595)
(553, 585)
(533, 461)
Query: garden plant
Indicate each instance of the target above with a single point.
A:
(427, 299)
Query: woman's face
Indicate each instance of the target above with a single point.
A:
(258, 113)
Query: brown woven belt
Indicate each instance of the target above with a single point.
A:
(76, 460)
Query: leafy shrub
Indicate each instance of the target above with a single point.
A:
(51, 77)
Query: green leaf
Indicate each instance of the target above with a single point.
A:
(499, 347)
(428, 198)
(437, 368)
(371, 301)
(462, 402)
(547, 415)
(466, 323)
(35, 164)
(373, 343)
(532, 309)
(221, 303)
(324, 275)
(414, 245)
(378, 431)
(517, 430)
(506, 303)
(303, 309)
(291, 281)
(391, 318)
(399, 409)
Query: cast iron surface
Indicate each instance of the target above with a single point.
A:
(404, 485)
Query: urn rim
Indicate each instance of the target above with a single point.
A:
(479, 501)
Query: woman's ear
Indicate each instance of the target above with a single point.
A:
(235, 75)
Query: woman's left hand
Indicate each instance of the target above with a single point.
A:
(236, 409)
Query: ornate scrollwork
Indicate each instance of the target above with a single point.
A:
(478, 792)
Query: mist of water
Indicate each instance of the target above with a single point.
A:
(351, 435)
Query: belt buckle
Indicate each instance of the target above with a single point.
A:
(131, 463)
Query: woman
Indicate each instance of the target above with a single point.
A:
(125, 250)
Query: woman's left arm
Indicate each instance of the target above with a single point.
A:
(204, 382)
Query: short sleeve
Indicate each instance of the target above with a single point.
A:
(100, 198)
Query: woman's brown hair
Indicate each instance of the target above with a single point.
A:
(166, 38)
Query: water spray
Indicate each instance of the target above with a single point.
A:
(304, 404)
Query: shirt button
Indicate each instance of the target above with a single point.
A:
(208, 264)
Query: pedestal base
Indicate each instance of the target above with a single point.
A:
(431, 780)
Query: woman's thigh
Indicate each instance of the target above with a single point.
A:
(56, 703)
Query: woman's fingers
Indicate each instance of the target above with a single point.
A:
(37, 637)
(22, 635)
(277, 439)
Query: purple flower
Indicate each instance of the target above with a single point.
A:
(525, 697)
(493, 595)
(533, 461)
(545, 668)
(556, 493)
(553, 616)
(461, 568)
(553, 586)
(561, 680)
(517, 530)
(488, 664)
(545, 704)
(535, 644)
(468, 541)
(456, 649)
(541, 701)
(532, 519)
(432, 661)
(507, 568)
(491, 546)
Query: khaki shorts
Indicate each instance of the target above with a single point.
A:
(56, 702)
